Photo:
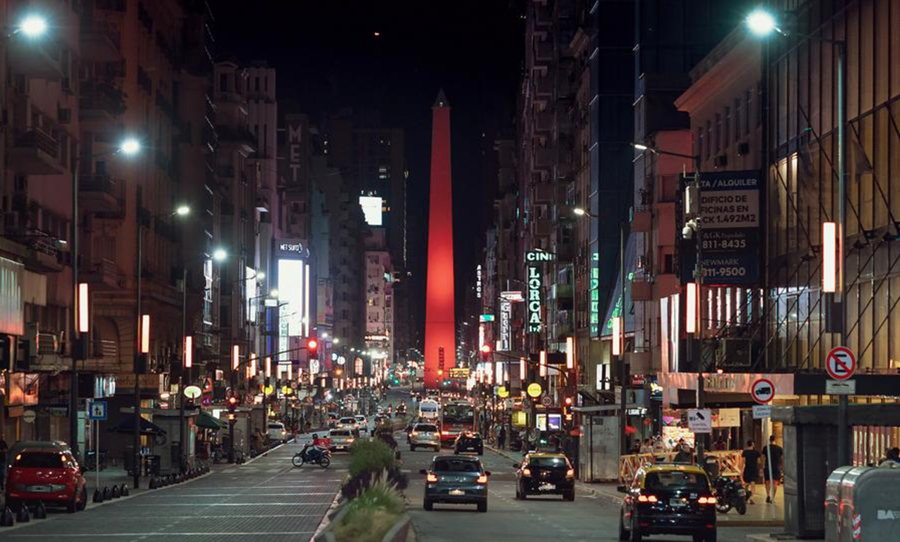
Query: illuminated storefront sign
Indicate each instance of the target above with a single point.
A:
(505, 330)
(535, 281)
(478, 281)
(595, 294)
(294, 276)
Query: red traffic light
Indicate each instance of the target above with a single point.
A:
(568, 401)
(312, 344)
(485, 349)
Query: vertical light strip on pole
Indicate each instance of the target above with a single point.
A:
(829, 257)
(235, 357)
(523, 368)
(570, 353)
(253, 365)
(690, 320)
(543, 364)
(145, 334)
(268, 367)
(617, 336)
(307, 275)
(84, 321)
(188, 352)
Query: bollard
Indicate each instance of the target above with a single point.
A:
(40, 512)
(153, 483)
(107, 494)
(6, 518)
(23, 516)
(98, 495)
(124, 490)
(115, 492)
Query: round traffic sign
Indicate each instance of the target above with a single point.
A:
(29, 416)
(534, 390)
(546, 400)
(840, 363)
(762, 391)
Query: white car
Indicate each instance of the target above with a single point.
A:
(341, 439)
(277, 432)
(347, 423)
(362, 423)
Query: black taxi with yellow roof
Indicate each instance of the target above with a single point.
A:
(668, 499)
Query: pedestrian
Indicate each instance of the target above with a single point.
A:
(891, 459)
(646, 447)
(751, 468)
(501, 437)
(4, 450)
(720, 445)
(659, 445)
(775, 454)
(684, 454)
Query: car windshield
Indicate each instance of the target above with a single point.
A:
(667, 480)
(455, 465)
(275, 426)
(40, 460)
(426, 428)
(548, 462)
(348, 420)
(340, 433)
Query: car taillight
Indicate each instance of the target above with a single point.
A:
(414, 434)
(706, 500)
(647, 498)
(431, 478)
(526, 472)
(482, 479)
(437, 434)
(570, 473)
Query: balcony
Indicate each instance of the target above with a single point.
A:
(101, 102)
(35, 152)
(100, 41)
(40, 59)
(103, 272)
(102, 195)
(239, 135)
(543, 227)
(543, 86)
(543, 158)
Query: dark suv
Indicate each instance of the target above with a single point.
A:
(469, 442)
(668, 499)
(545, 473)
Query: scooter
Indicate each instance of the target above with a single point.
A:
(314, 455)
(730, 493)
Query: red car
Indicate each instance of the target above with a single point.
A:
(51, 476)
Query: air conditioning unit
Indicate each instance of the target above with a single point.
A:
(733, 353)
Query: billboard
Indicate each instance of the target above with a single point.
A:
(372, 207)
(294, 278)
(729, 208)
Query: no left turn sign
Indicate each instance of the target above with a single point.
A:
(840, 363)
(763, 391)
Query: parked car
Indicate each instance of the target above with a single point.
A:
(545, 473)
(469, 442)
(47, 475)
(668, 499)
(21, 445)
(341, 439)
(425, 434)
(362, 424)
(277, 432)
(456, 479)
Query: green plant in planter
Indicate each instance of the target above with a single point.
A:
(371, 514)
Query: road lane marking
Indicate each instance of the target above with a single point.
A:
(157, 534)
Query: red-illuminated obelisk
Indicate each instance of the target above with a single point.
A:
(440, 335)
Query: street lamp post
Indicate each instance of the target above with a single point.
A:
(763, 23)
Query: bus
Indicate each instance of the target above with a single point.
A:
(457, 417)
(429, 409)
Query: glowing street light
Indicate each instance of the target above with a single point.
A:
(219, 254)
(762, 23)
(183, 210)
(33, 26)
(130, 146)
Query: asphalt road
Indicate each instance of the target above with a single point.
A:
(267, 499)
(538, 519)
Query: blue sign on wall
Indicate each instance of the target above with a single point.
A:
(730, 211)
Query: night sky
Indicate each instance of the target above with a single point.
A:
(327, 56)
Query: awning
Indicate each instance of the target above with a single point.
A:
(207, 421)
(147, 427)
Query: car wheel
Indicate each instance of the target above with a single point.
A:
(741, 507)
(482, 506)
(623, 534)
(569, 495)
(428, 505)
(636, 535)
(84, 499)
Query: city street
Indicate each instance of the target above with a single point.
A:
(537, 519)
(266, 498)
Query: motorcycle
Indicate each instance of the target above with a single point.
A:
(730, 493)
(314, 455)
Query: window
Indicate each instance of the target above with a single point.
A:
(726, 136)
(707, 144)
(738, 111)
(223, 82)
(256, 84)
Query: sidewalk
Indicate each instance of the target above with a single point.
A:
(758, 515)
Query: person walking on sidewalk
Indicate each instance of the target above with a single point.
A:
(751, 468)
(775, 454)
(501, 438)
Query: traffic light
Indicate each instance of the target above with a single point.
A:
(485, 353)
(312, 348)
(232, 404)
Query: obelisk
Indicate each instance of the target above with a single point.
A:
(440, 335)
